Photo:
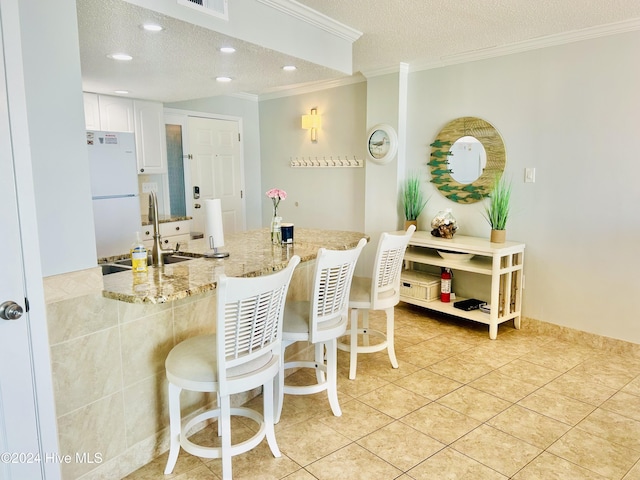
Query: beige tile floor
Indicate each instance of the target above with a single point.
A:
(525, 406)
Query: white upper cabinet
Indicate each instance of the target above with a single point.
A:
(91, 111)
(116, 114)
(144, 118)
(151, 141)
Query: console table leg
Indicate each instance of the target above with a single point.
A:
(493, 331)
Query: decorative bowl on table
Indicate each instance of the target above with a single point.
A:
(455, 256)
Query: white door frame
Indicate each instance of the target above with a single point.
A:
(175, 113)
(33, 281)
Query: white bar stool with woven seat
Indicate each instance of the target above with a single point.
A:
(381, 291)
(320, 321)
(243, 354)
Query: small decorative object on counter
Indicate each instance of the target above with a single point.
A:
(445, 286)
(444, 224)
(276, 195)
(138, 255)
(287, 233)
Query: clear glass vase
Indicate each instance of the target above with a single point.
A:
(276, 222)
(444, 224)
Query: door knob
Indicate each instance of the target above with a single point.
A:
(10, 311)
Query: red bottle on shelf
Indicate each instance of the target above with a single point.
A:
(445, 286)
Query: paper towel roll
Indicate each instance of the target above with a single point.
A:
(213, 231)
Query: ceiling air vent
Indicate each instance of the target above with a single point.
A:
(217, 8)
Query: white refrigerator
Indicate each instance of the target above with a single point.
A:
(114, 191)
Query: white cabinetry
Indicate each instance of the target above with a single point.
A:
(170, 233)
(493, 275)
(144, 118)
(151, 142)
(91, 111)
(116, 114)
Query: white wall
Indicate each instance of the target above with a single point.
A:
(58, 143)
(330, 198)
(572, 113)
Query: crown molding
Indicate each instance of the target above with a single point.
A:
(533, 44)
(290, 91)
(245, 96)
(312, 17)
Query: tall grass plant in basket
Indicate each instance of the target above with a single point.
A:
(498, 209)
(413, 200)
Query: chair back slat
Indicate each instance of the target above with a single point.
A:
(385, 282)
(330, 294)
(250, 315)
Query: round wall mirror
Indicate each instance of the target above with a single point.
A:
(466, 157)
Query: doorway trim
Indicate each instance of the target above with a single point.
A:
(33, 278)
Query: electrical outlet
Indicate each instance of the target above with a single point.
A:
(529, 175)
(149, 187)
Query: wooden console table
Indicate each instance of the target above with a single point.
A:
(498, 266)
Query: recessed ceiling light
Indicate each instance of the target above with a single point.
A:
(223, 79)
(121, 92)
(227, 49)
(289, 68)
(120, 56)
(152, 27)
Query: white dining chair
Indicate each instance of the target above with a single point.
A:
(381, 291)
(243, 354)
(321, 320)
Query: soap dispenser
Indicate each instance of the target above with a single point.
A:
(138, 255)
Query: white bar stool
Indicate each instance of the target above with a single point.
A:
(243, 354)
(380, 292)
(320, 322)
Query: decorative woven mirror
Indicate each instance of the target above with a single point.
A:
(466, 157)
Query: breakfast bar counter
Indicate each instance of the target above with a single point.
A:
(251, 254)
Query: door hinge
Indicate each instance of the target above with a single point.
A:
(241, 194)
(189, 156)
(238, 137)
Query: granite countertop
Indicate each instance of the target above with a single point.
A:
(251, 254)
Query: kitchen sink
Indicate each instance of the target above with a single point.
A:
(125, 264)
(168, 259)
(110, 268)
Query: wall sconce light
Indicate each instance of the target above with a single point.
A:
(312, 122)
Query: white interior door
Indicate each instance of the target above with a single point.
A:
(19, 444)
(216, 169)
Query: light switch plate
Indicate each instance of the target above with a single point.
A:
(529, 175)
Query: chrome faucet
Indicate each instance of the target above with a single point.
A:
(157, 252)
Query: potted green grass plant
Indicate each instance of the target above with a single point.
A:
(497, 210)
(413, 200)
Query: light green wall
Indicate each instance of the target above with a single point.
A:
(571, 112)
(568, 111)
(330, 198)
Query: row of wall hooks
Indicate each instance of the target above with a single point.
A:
(338, 161)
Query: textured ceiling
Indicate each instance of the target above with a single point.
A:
(426, 31)
(182, 62)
